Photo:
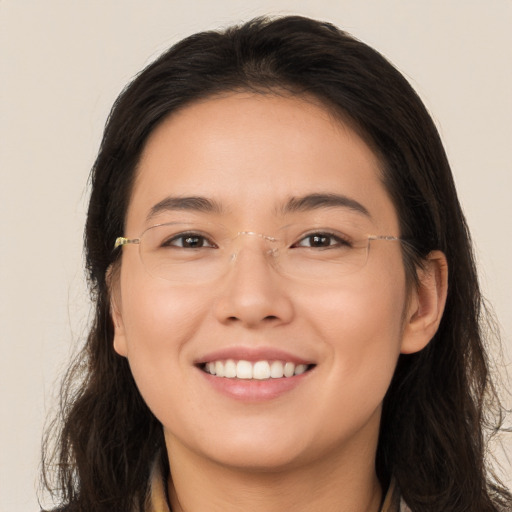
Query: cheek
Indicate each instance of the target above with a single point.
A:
(155, 313)
(158, 322)
(362, 307)
(362, 326)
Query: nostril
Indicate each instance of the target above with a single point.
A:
(268, 318)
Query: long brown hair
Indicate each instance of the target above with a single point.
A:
(441, 400)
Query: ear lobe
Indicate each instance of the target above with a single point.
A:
(426, 305)
(119, 341)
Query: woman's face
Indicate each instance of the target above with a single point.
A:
(259, 163)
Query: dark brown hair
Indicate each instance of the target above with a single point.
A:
(438, 405)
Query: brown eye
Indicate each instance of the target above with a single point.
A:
(189, 241)
(321, 240)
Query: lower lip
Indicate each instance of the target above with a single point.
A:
(252, 390)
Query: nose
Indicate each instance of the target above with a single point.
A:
(252, 293)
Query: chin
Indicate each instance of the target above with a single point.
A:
(258, 459)
(248, 447)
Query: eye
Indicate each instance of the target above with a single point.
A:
(188, 241)
(322, 240)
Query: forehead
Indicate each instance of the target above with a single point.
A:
(252, 153)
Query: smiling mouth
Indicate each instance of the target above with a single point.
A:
(258, 370)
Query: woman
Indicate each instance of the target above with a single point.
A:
(287, 310)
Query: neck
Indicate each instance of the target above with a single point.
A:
(337, 482)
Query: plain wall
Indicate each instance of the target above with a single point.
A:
(62, 64)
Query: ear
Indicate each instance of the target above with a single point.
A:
(112, 278)
(426, 304)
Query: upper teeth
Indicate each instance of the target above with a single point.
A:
(260, 370)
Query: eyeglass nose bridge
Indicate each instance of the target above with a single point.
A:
(272, 251)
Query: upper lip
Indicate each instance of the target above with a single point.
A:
(252, 354)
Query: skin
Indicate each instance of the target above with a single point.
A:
(313, 447)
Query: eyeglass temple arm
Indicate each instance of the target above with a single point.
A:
(384, 237)
(121, 240)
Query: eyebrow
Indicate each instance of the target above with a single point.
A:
(323, 200)
(191, 203)
(293, 205)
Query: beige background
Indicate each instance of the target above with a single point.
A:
(62, 65)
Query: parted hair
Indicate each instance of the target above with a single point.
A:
(441, 403)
